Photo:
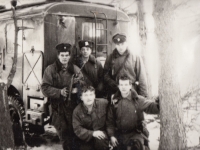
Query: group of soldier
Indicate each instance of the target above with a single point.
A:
(96, 108)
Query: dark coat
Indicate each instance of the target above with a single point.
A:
(92, 72)
(127, 113)
(54, 80)
(133, 68)
(84, 124)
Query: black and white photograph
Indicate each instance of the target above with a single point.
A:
(99, 75)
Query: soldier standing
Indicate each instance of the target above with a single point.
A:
(89, 119)
(125, 117)
(91, 67)
(57, 83)
(122, 61)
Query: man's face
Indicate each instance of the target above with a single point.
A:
(64, 57)
(121, 47)
(88, 97)
(86, 51)
(124, 86)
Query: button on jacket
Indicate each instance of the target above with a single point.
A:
(84, 123)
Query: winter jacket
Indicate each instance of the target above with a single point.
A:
(84, 123)
(133, 68)
(54, 80)
(92, 72)
(125, 114)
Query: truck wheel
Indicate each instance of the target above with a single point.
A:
(24, 133)
(17, 114)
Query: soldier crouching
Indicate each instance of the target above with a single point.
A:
(125, 116)
(89, 119)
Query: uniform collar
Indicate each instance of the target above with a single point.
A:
(132, 95)
(129, 97)
(85, 109)
(59, 66)
(116, 54)
(91, 59)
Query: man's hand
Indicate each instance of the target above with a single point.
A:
(99, 135)
(114, 141)
(64, 92)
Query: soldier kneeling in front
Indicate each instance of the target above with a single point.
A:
(125, 117)
(89, 120)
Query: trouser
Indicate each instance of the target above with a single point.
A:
(63, 126)
(69, 140)
(95, 144)
(130, 141)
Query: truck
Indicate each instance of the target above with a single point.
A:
(41, 26)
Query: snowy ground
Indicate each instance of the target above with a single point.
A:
(193, 133)
(191, 108)
(48, 141)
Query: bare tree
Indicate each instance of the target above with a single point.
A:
(143, 39)
(13, 69)
(6, 132)
(173, 136)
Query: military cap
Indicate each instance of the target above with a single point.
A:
(84, 43)
(119, 38)
(63, 47)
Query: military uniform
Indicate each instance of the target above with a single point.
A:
(55, 79)
(125, 116)
(85, 123)
(125, 63)
(92, 70)
(93, 73)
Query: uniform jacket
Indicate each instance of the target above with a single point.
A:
(127, 113)
(92, 72)
(133, 67)
(84, 124)
(54, 79)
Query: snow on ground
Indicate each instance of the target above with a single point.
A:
(50, 140)
(191, 108)
(191, 119)
(153, 126)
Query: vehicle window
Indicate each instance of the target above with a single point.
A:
(88, 33)
(66, 29)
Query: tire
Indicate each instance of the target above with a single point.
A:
(17, 115)
(24, 133)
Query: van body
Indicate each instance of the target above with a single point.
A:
(41, 27)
